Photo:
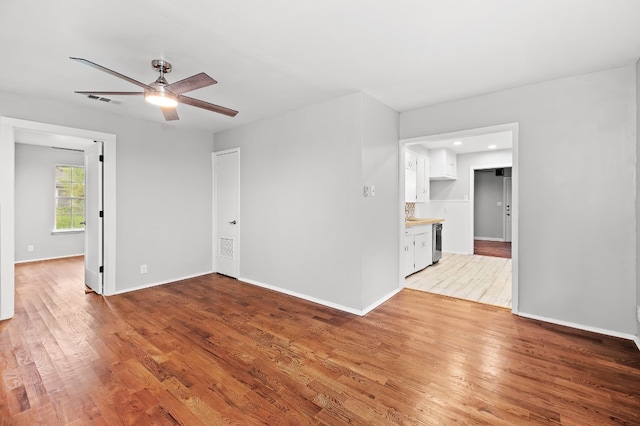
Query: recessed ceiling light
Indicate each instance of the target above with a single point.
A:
(492, 146)
(457, 143)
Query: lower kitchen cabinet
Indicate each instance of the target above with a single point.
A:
(409, 250)
(423, 249)
(418, 248)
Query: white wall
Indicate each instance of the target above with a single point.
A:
(450, 200)
(302, 207)
(380, 214)
(163, 189)
(577, 150)
(458, 189)
(35, 203)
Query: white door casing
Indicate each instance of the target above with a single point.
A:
(226, 176)
(8, 128)
(507, 209)
(514, 129)
(93, 276)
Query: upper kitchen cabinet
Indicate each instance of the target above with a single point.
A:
(416, 178)
(410, 160)
(422, 179)
(444, 164)
(410, 177)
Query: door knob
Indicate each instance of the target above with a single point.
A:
(233, 222)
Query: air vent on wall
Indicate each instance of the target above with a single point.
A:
(103, 99)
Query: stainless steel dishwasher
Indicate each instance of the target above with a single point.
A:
(437, 242)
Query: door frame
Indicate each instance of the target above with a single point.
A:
(8, 127)
(507, 195)
(214, 216)
(514, 128)
(472, 198)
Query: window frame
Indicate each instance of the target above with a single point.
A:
(70, 198)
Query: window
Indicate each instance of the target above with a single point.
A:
(69, 198)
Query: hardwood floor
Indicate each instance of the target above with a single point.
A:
(212, 350)
(492, 248)
(483, 279)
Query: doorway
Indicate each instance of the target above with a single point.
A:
(226, 208)
(492, 201)
(9, 127)
(454, 201)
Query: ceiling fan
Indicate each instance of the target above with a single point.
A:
(160, 92)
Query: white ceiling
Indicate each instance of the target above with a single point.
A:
(274, 56)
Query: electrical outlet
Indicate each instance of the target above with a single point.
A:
(30, 247)
(143, 269)
(373, 190)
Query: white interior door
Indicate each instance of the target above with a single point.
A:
(507, 209)
(227, 212)
(93, 274)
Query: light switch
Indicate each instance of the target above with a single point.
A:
(366, 190)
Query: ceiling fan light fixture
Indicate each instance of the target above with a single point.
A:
(160, 92)
(162, 99)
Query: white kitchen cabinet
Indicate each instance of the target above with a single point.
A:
(410, 189)
(409, 250)
(422, 179)
(418, 251)
(444, 164)
(410, 170)
(423, 249)
(416, 178)
(410, 160)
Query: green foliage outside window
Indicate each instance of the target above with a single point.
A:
(69, 197)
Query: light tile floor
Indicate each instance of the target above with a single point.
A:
(479, 278)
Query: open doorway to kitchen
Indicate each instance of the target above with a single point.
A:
(452, 198)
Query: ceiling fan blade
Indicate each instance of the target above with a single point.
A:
(190, 83)
(109, 93)
(113, 73)
(206, 105)
(170, 114)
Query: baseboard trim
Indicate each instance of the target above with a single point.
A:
(598, 330)
(380, 301)
(359, 312)
(500, 240)
(49, 258)
(155, 284)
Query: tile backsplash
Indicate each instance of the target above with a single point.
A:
(409, 210)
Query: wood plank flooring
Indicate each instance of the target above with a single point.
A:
(483, 279)
(212, 350)
(492, 248)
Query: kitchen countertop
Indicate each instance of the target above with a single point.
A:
(422, 221)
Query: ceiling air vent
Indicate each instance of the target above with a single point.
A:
(103, 99)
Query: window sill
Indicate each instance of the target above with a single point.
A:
(66, 231)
